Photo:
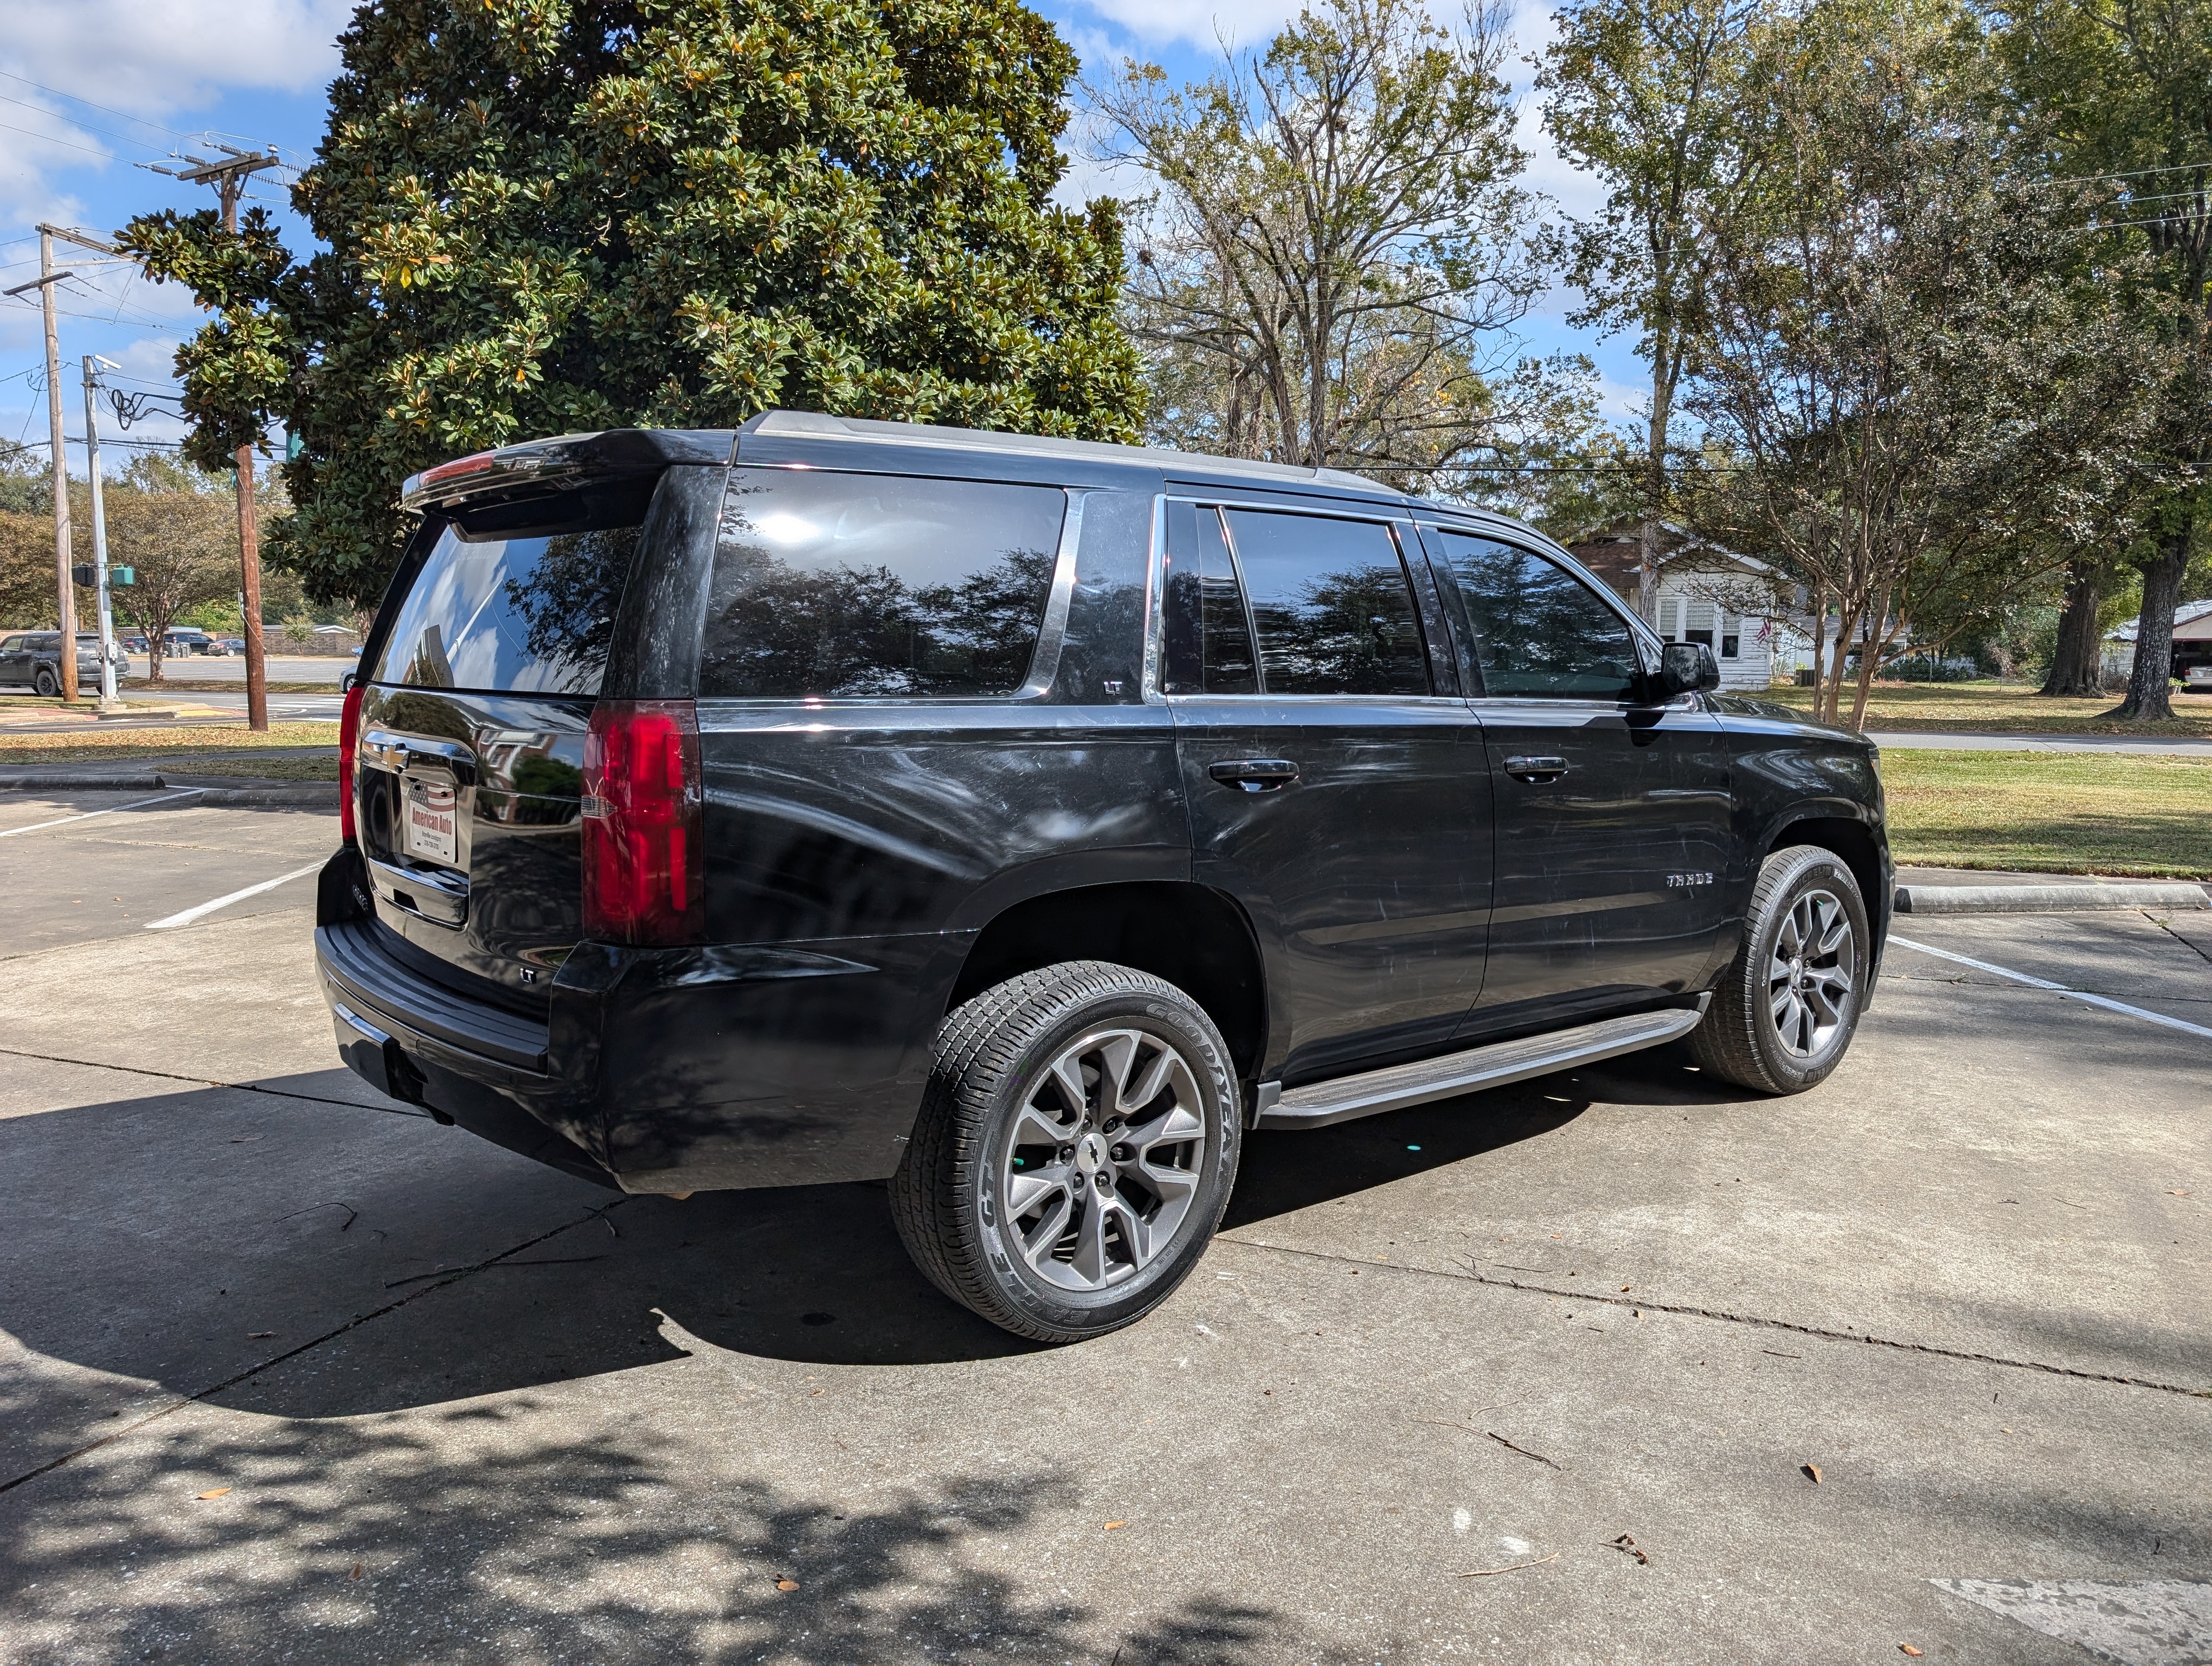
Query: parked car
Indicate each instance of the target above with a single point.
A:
(33, 657)
(229, 645)
(1024, 821)
(181, 641)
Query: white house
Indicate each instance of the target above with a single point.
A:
(2192, 641)
(1735, 604)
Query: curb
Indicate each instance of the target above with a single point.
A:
(2165, 894)
(88, 782)
(322, 796)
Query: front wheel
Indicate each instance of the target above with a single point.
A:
(1074, 1152)
(1790, 1002)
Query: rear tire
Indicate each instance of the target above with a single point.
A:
(46, 682)
(1786, 1010)
(1074, 1152)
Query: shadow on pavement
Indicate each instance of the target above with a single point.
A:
(465, 1535)
(336, 1219)
(1287, 1170)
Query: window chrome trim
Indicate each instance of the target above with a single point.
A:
(1052, 630)
(1155, 566)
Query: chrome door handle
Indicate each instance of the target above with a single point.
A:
(1255, 775)
(1537, 769)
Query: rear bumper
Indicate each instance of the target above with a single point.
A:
(656, 1070)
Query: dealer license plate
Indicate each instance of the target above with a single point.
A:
(430, 823)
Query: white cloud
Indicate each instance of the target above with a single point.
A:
(1242, 23)
(156, 56)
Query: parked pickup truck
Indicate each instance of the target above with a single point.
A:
(1025, 822)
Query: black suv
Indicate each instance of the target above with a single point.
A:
(1023, 820)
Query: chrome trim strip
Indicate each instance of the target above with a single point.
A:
(1155, 616)
(350, 1016)
(1052, 633)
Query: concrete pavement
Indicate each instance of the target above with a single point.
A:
(1960, 741)
(1438, 1367)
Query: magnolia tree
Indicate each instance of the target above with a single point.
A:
(546, 215)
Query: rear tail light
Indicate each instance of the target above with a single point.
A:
(349, 742)
(642, 822)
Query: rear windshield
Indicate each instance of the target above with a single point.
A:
(529, 614)
(854, 586)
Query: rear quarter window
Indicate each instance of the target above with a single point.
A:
(830, 585)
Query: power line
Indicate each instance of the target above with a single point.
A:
(82, 126)
(90, 150)
(2089, 178)
(58, 92)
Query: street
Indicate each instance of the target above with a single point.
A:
(1607, 1366)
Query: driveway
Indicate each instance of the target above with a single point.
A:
(291, 1372)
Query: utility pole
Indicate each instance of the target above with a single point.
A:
(108, 703)
(44, 283)
(228, 175)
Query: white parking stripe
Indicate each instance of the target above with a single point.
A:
(140, 803)
(204, 908)
(2105, 1001)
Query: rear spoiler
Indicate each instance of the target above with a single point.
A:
(545, 468)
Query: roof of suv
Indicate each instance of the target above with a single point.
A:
(802, 436)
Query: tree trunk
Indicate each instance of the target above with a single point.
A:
(1820, 651)
(2150, 685)
(2077, 668)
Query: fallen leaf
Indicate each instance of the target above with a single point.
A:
(1813, 1470)
(258, 1335)
(1907, 1648)
(1627, 1544)
(1625, 1288)
(2174, 1193)
(356, 1570)
(787, 1584)
(212, 1492)
(1110, 1526)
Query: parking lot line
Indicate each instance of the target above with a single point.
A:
(192, 913)
(139, 804)
(2105, 1001)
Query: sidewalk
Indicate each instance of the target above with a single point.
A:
(1937, 739)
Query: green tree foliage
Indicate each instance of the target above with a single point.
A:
(1650, 95)
(2125, 91)
(548, 216)
(1921, 382)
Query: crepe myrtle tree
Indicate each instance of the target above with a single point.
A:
(546, 215)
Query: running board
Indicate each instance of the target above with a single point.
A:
(1320, 1103)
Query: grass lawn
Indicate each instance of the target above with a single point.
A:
(2058, 812)
(201, 749)
(2004, 709)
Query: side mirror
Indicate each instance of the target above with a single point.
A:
(1685, 668)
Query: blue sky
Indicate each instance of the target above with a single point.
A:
(90, 88)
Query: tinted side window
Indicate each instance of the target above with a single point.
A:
(1209, 636)
(1539, 631)
(853, 585)
(1331, 605)
(532, 615)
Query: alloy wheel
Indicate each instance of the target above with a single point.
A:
(1810, 977)
(1098, 1173)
